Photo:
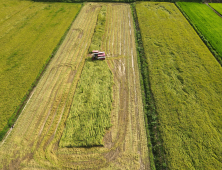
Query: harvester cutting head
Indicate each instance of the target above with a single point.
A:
(97, 55)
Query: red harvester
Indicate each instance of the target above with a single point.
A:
(97, 55)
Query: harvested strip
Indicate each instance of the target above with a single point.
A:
(186, 83)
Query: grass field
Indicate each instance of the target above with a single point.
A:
(29, 32)
(89, 117)
(186, 83)
(217, 7)
(34, 141)
(206, 21)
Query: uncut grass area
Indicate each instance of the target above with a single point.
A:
(186, 83)
(89, 116)
(206, 21)
(29, 32)
(217, 7)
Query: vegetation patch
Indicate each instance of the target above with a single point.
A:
(207, 23)
(99, 30)
(186, 85)
(89, 117)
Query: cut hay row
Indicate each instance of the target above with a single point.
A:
(186, 85)
(34, 141)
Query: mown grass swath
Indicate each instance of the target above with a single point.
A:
(186, 84)
(207, 23)
(217, 7)
(28, 38)
(89, 117)
(99, 30)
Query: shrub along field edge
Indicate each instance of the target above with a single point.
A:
(212, 50)
(20, 107)
(154, 142)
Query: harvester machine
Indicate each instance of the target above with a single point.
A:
(97, 55)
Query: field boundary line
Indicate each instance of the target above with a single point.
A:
(206, 42)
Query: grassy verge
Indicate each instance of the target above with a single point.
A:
(206, 23)
(26, 62)
(89, 116)
(153, 138)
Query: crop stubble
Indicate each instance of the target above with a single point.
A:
(33, 143)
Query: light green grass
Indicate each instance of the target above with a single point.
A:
(217, 7)
(89, 116)
(99, 30)
(186, 83)
(206, 21)
(28, 37)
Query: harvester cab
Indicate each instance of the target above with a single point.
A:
(97, 55)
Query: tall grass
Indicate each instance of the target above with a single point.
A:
(186, 85)
(89, 116)
(99, 30)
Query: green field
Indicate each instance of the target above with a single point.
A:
(186, 83)
(217, 7)
(89, 117)
(207, 22)
(29, 32)
(99, 30)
